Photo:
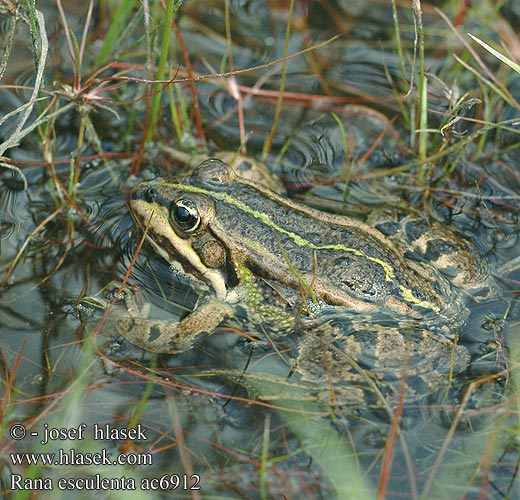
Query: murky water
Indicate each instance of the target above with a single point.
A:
(231, 411)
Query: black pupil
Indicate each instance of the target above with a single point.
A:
(185, 214)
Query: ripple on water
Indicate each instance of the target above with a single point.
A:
(13, 201)
(250, 19)
(7, 226)
(333, 149)
(105, 207)
(310, 145)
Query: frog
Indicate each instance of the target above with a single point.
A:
(253, 253)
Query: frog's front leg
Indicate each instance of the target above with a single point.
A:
(166, 337)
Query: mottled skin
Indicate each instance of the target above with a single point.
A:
(248, 248)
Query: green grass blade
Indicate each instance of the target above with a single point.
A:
(515, 67)
(114, 32)
(171, 7)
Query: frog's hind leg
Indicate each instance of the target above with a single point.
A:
(442, 247)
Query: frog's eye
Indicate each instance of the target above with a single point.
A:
(185, 215)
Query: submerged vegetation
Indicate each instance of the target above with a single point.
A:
(356, 107)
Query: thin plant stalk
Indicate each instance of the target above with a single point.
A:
(264, 457)
(171, 7)
(515, 67)
(8, 45)
(40, 54)
(423, 82)
(117, 25)
(269, 141)
(191, 83)
(498, 84)
(398, 41)
(174, 112)
(232, 82)
(40, 49)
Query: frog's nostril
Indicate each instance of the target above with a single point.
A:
(150, 194)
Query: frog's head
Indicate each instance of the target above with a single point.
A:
(177, 214)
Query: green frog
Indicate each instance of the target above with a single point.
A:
(254, 254)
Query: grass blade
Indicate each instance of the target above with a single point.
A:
(515, 67)
(116, 27)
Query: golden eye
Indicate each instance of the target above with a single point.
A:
(185, 215)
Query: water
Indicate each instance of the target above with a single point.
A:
(233, 411)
